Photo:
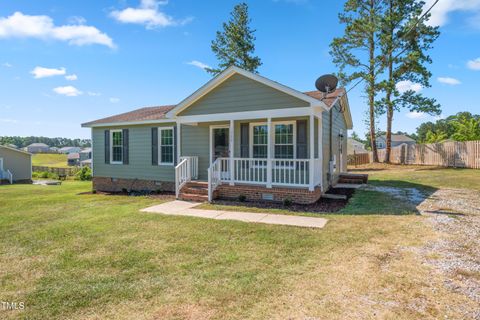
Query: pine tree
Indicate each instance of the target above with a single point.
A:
(362, 20)
(234, 45)
(405, 41)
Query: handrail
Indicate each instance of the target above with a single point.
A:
(10, 176)
(193, 166)
(214, 178)
(182, 175)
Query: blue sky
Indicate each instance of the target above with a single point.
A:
(66, 62)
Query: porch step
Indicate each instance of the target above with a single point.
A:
(200, 190)
(193, 197)
(353, 178)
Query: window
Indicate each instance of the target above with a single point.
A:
(260, 141)
(284, 141)
(166, 148)
(116, 151)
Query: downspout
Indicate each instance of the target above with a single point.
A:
(330, 114)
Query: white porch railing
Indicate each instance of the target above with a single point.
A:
(185, 171)
(214, 177)
(284, 172)
(6, 175)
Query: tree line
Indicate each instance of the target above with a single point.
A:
(51, 142)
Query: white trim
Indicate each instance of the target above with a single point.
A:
(274, 123)
(159, 147)
(126, 123)
(111, 146)
(215, 126)
(231, 150)
(226, 74)
(179, 142)
(311, 170)
(320, 149)
(250, 136)
(247, 115)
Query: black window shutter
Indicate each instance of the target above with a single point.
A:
(154, 146)
(302, 139)
(126, 151)
(107, 146)
(244, 137)
(175, 146)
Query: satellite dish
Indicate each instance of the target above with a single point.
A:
(326, 83)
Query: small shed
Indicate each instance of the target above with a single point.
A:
(15, 165)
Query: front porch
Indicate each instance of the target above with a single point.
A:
(272, 154)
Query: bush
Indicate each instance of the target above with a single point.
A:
(84, 174)
(287, 202)
(44, 175)
(242, 198)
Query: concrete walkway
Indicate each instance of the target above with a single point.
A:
(184, 208)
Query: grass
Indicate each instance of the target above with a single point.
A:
(50, 160)
(68, 254)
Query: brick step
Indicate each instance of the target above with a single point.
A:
(359, 177)
(193, 197)
(350, 181)
(195, 190)
(201, 184)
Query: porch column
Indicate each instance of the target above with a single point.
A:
(179, 142)
(311, 166)
(269, 152)
(231, 149)
(320, 149)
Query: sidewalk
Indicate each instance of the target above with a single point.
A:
(184, 208)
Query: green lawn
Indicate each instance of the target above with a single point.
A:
(50, 160)
(72, 255)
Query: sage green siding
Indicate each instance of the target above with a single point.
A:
(238, 94)
(339, 127)
(19, 163)
(140, 156)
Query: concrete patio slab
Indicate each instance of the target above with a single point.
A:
(184, 208)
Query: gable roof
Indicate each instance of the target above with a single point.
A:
(399, 138)
(16, 150)
(142, 115)
(226, 74)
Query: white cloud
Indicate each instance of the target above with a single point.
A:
(416, 115)
(407, 85)
(19, 25)
(68, 91)
(41, 72)
(441, 11)
(448, 80)
(114, 100)
(6, 120)
(198, 64)
(71, 77)
(474, 64)
(7, 65)
(147, 14)
(94, 94)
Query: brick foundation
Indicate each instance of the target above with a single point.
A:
(119, 185)
(254, 193)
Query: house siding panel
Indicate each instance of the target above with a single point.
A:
(18, 163)
(140, 158)
(240, 94)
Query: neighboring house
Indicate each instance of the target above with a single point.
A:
(37, 148)
(397, 140)
(85, 154)
(86, 163)
(54, 149)
(11, 146)
(240, 133)
(73, 159)
(15, 165)
(68, 150)
(355, 147)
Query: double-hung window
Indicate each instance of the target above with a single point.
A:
(284, 141)
(166, 146)
(116, 152)
(260, 141)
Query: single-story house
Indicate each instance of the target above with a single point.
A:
(355, 147)
(239, 134)
(85, 154)
(11, 145)
(73, 159)
(397, 140)
(37, 148)
(54, 149)
(68, 150)
(15, 165)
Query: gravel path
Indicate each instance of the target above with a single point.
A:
(455, 214)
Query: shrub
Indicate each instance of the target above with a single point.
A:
(242, 198)
(84, 174)
(287, 202)
(44, 175)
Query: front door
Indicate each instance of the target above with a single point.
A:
(220, 149)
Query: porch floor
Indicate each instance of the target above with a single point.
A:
(184, 208)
